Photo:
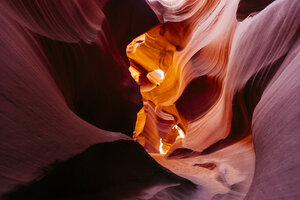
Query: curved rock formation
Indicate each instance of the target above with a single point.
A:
(217, 72)
(209, 93)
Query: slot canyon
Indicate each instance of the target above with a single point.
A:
(150, 100)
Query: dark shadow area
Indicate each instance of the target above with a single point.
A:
(200, 94)
(250, 7)
(109, 171)
(94, 78)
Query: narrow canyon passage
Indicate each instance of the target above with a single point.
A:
(198, 102)
(149, 99)
(181, 90)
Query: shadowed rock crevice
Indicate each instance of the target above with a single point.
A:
(109, 171)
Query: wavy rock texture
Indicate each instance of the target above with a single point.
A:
(211, 97)
(217, 72)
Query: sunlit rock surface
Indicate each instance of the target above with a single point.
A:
(209, 91)
(217, 73)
